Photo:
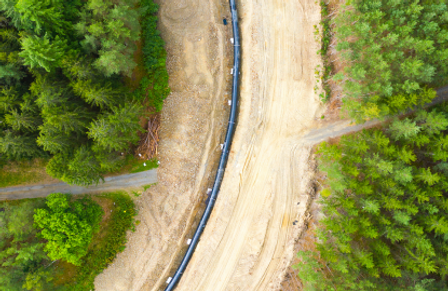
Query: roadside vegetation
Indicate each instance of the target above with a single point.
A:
(323, 35)
(394, 53)
(23, 172)
(61, 242)
(63, 95)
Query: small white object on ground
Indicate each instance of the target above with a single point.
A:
(169, 280)
(231, 71)
(209, 190)
(231, 40)
(222, 146)
(229, 102)
(144, 164)
(189, 241)
(139, 155)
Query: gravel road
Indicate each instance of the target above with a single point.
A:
(110, 184)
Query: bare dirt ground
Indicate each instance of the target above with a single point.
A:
(248, 243)
(193, 121)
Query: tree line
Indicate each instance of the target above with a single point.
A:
(394, 54)
(385, 207)
(61, 75)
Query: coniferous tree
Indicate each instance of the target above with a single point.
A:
(115, 130)
(40, 52)
(20, 250)
(101, 95)
(110, 29)
(23, 121)
(46, 16)
(17, 146)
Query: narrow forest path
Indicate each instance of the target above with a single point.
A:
(110, 184)
(342, 127)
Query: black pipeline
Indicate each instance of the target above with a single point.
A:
(224, 155)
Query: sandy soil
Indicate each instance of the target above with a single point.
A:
(249, 240)
(193, 121)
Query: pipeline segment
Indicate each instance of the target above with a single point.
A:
(224, 155)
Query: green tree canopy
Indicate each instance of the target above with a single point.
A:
(115, 130)
(392, 52)
(40, 52)
(385, 225)
(20, 250)
(68, 226)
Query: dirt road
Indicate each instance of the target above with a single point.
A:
(110, 184)
(248, 242)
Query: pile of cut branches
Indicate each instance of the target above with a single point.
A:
(150, 141)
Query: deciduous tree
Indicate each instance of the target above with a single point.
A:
(68, 226)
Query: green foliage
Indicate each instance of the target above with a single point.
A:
(393, 51)
(22, 172)
(16, 146)
(44, 15)
(385, 225)
(114, 241)
(114, 130)
(68, 227)
(37, 280)
(39, 52)
(21, 252)
(109, 29)
(24, 264)
(323, 35)
(142, 165)
(79, 168)
(61, 82)
(154, 86)
(101, 95)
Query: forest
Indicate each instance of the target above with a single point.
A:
(63, 95)
(386, 208)
(393, 52)
(61, 243)
(383, 198)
